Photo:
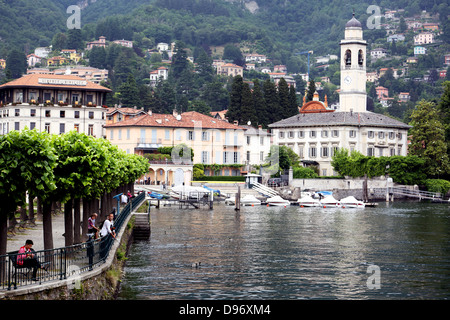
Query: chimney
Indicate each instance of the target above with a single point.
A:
(175, 113)
(149, 112)
(235, 122)
(259, 127)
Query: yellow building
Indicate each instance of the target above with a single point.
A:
(213, 141)
(2, 63)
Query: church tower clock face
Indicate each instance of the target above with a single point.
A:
(348, 80)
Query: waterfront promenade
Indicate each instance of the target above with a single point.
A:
(36, 234)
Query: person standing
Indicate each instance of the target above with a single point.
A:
(92, 229)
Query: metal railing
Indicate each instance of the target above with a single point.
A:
(421, 195)
(63, 264)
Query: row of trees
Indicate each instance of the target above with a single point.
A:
(67, 168)
(264, 104)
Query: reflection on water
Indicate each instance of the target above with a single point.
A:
(293, 253)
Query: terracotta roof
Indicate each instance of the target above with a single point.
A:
(32, 81)
(124, 110)
(314, 107)
(190, 119)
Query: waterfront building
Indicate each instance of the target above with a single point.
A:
(317, 131)
(212, 140)
(257, 144)
(118, 114)
(53, 103)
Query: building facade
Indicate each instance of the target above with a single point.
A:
(213, 141)
(52, 103)
(317, 132)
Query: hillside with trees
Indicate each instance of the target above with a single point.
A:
(207, 30)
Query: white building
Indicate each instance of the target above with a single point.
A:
(317, 132)
(418, 50)
(124, 43)
(423, 38)
(378, 53)
(33, 59)
(53, 103)
(42, 52)
(256, 144)
(254, 57)
(160, 73)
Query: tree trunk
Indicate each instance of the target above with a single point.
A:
(3, 232)
(39, 208)
(68, 223)
(23, 214)
(77, 223)
(31, 208)
(86, 214)
(47, 225)
(3, 242)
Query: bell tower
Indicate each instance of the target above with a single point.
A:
(352, 96)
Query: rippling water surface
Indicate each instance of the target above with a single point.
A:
(293, 253)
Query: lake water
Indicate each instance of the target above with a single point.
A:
(393, 251)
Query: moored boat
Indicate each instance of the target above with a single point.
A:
(278, 201)
(250, 200)
(330, 202)
(308, 201)
(352, 202)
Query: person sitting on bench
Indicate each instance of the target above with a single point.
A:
(26, 258)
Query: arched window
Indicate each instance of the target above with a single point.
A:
(348, 57)
(360, 57)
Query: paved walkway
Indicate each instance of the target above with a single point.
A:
(36, 234)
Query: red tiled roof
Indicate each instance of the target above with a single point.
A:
(190, 119)
(32, 81)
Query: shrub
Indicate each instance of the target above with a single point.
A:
(438, 185)
(304, 173)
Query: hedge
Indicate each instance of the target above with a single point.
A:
(222, 178)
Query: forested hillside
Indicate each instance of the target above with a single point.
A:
(220, 29)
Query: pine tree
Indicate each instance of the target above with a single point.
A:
(234, 109)
(74, 39)
(293, 104)
(247, 107)
(129, 93)
(259, 104)
(16, 64)
(272, 102)
(283, 96)
(179, 61)
(97, 57)
(311, 91)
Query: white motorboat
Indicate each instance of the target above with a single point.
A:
(278, 201)
(330, 202)
(230, 201)
(188, 192)
(250, 200)
(352, 202)
(308, 201)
